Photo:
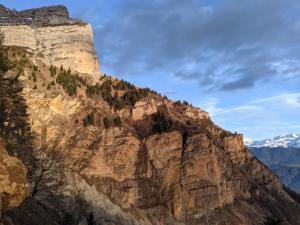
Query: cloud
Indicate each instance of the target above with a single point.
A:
(210, 105)
(264, 117)
(226, 46)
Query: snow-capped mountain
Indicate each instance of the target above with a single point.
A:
(284, 141)
(248, 142)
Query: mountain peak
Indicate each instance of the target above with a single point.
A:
(283, 141)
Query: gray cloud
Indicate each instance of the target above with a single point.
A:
(228, 46)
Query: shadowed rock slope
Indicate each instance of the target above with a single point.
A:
(139, 158)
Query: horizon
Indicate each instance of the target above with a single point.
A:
(192, 55)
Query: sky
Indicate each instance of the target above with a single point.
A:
(237, 59)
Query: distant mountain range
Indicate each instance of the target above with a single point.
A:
(282, 155)
(282, 141)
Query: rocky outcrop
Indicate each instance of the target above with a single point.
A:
(67, 44)
(53, 15)
(13, 184)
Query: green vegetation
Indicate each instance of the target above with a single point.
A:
(93, 90)
(106, 122)
(68, 81)
(53, 71)
(14, 126)
(183, 103)
(16, 58)
(161, 123)
(117, 121)
(123, 85)
(89, 119)
(34, 79)
(20, 65)
(186, 102)
(133, 95)
(130, 97)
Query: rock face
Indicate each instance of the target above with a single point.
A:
(56, 41)
(188, 172)
(195, 173)
(13, 184)
(53, 15)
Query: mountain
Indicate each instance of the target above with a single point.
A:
(100, 150)
(284, 162)
(284, 141)
(282, 155)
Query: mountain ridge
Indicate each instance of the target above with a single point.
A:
(284, 141)
(132, 156)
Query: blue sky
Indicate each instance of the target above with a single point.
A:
(239, 60)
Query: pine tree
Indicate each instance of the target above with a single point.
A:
(5, 64)
(117, 121)
(14, 125)
(161, 123)
(106, 122)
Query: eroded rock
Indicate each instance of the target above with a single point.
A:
(13, 183)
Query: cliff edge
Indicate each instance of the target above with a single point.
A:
(53, 37)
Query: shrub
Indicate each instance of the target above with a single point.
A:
(52, 83)
(123, 85)
(68, 81)
(53, 71)
(117, 121)
(35, 87)
(185, 103)
(34, 76)
(106, 89)
(161, 123)
(106, 122)
(48, 86)
(131, 96)
(93, 90)
(89, 119)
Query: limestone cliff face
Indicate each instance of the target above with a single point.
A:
(13, 184)
(62, 43)
(194, 173)
(166, 163)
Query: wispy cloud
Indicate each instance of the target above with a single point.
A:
(261, 117)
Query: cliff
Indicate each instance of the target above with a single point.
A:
(56, 40)
(139, 158)
(53, 15)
